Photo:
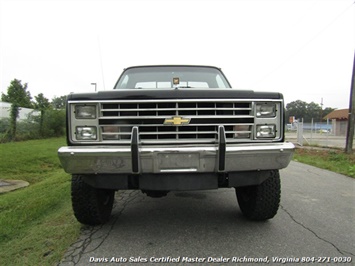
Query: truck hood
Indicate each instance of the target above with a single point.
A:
(185, 93)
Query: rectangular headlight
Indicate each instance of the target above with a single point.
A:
(265, 131)
(265, 110)
(83, 111)
(86, 133)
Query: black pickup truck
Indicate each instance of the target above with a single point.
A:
(174, 127)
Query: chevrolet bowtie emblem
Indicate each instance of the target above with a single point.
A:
(177, 121)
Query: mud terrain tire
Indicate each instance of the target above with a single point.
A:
(91, 206)
(261, 202)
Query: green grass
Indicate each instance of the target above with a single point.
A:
(37, 224)
(333, 160)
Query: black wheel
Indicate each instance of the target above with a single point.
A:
(91, 205)
(261, 202)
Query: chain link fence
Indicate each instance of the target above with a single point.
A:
(318, 134)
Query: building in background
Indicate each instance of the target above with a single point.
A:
(23, 112)
(339, 120)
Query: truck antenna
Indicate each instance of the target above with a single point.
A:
(100, 55)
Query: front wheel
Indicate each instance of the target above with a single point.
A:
(91, 205)
(261, 202)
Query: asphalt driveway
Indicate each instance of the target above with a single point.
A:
(315, 223)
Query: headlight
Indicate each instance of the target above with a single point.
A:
(86, 133)
(265, 110)
(265, 131)
(85, 111)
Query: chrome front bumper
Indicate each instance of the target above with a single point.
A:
(175, 159)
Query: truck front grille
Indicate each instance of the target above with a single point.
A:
(167, 121)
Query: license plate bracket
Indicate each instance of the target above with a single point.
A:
(178, 162)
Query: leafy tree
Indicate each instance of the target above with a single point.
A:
(42, 104)
(59, 102)
(306, 111)
(18, 96)
(314, 111)
(296, 108)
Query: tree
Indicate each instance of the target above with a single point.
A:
(42, 104)
(307, 111)
(314, 111)
(18, 96)
(296, 108)
(59, 102)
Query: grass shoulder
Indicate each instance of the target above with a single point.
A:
(331, 159)
(37, 223)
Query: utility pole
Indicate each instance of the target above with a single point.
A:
(321, 111)
(351, 119)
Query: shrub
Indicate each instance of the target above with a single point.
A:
(53, 125)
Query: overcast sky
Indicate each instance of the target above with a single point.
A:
(303, 49)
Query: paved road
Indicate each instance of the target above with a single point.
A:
(316, 219)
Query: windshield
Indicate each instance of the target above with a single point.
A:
(155, 77)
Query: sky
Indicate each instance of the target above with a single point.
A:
(303, 49)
